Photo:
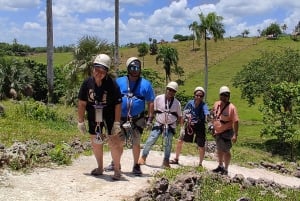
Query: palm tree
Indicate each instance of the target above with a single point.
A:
(169, 56)
(87, 48)
(209, 25)
(245, 33)
(194, 27)
(50, 49)
(284, 27)
(116, 55)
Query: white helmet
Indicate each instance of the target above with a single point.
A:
(224, 89)
(103, 59)
(173, 85)
(199, 89)
(131, 59)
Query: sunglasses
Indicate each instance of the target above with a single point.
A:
(134, 68)
(201, 96)
(225, 94)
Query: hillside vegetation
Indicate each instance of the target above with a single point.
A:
(226, 58)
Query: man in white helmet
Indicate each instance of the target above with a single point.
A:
(226, 126)
(167, 111)
(100, 92)
(137, 93)
(195, 115)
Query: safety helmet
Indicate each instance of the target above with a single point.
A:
(133, 61)
(173, 85)
(199, 89)
(224, 89)
(103, 59)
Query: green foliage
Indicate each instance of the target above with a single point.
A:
(143, 49)
(274, 29)
(39, 85)
(214, 188)
(183, 98)
(169, 57)
(180, 37)
(153, 47)
(281, 113)
(272, 67)
(61, 154)
(37, 111)
(14, 74)
(275, 76)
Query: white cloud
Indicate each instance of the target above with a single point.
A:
(31, 25)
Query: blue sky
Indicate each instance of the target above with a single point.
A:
(25, 20)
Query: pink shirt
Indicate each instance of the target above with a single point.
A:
(224, 121)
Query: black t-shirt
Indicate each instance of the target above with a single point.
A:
(108, 94)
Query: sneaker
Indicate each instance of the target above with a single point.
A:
(110, 167)
(166, 164)
(174, 161)
(218, 169)
(136, 170)
(142, 160)
(224, 172)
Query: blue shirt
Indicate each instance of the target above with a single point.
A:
(198, 113)
(142, 92)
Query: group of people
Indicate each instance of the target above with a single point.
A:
(113, 105)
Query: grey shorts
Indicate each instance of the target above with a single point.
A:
(223, 144)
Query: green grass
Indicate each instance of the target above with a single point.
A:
(59, 59)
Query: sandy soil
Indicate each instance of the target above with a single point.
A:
(75, 182)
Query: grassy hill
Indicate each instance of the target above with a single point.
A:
(225, 58)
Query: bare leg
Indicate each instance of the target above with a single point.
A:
(201, 154)
(220, 155)
(227, 158)
(98, 152)
(116, 147)
(178, 148)
(136, 149)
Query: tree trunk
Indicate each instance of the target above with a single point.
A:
(205, 67)
(116, 55)
(50, 74)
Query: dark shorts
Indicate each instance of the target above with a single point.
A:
(104, 126)
(198, 136)
(223, 142)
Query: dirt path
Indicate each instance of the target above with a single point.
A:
(75, 182)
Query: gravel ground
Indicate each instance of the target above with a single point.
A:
(75, 182)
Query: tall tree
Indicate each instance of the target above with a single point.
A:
(116, 52)
(193, 27)
(209, 25)
(284, 27)
(50, 49)
(169, 57)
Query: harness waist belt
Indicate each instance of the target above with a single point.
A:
(134, 117)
